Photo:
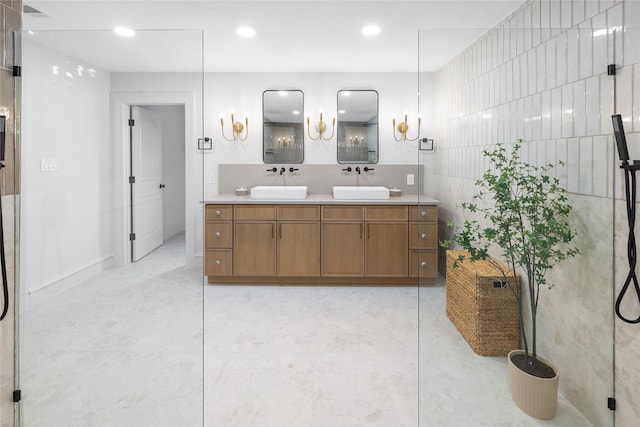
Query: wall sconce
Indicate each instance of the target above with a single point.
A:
(321, 127)
(237, 128)
(403, 127)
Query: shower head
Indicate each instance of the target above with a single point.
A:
(621, 140)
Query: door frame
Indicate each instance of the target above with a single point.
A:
(120, 103)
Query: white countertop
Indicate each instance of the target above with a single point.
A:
(321, 199)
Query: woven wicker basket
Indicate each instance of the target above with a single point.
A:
(484, 311)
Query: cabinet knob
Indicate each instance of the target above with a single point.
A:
(218, 262)
(423, 235)
(218, 234)
(218, 213)
(423, 264)
(423, 213)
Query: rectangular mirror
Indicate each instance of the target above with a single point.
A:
(283, 126)
(357, 126)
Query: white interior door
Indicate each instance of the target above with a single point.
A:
(146, 162)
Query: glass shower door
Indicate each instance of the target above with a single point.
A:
(549, 87)
(109, 158)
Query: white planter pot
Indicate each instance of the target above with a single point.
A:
(536, 396)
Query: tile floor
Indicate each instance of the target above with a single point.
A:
(148, 345)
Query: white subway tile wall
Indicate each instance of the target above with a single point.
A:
(520, 82)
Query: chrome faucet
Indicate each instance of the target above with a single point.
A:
(358, 170)
(282, 170)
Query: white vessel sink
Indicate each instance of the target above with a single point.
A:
(279, 192)
(365, 192)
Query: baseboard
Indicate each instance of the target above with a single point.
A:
(67, 281)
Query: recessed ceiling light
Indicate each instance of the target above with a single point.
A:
(370, 30)
(125, 32)
(283, 93)
(246, 31)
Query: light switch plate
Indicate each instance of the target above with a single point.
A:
(410, 179)
(49, 165)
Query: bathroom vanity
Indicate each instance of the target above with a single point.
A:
(321, 240)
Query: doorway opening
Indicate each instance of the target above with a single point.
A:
(157, 176)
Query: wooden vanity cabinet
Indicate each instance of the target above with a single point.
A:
(380, 244)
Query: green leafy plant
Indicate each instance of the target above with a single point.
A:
(526, 215)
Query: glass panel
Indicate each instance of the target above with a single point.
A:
(548, 87)
(106, 340)
(357, 126)
(283, 126)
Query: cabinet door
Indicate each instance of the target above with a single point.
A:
(343, 249)
(299, 249)
(386, 249)
(254, 249)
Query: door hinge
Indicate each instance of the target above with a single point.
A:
(132, 180)
(611, 403)
(132, 122)
(132, 236)
(17, 396)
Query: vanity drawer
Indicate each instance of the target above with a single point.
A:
(423, 263)
(423, 235)
(219, 235)
(423, 213)
(343, 213)
(218, 262)
(386, 213)
(218, 213)
(297, 213)
(255, 213)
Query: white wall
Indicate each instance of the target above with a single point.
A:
(67, 228)
(173, 168)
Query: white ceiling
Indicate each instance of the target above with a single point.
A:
(292, 36)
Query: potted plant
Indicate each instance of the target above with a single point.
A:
(524, 217)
